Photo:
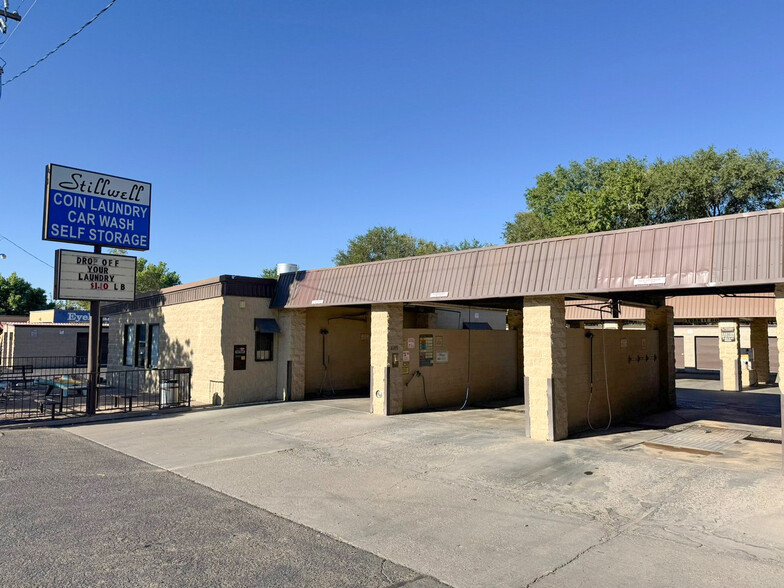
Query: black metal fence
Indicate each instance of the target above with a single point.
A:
(34, 388)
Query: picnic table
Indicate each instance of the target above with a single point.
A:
(58, 390)
(53, 397)
(70, 385)
(11, 376)
(127, 397)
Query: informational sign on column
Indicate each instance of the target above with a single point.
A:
(96, 209)
(79, 275)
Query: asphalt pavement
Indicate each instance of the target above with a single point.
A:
(464, 497)
(74, 513)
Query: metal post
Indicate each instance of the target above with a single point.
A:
(93, 359)
(386, 391)
(287, 391)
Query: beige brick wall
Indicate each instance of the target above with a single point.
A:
(258, 381)
(191, 336)
(386, 337)
(291, 347)
(544, 330)
(493, 373)
(729, 354)
(632, 375)
(348, 349)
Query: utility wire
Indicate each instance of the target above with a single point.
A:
(26, 251)
(11, 34)
(61, 45)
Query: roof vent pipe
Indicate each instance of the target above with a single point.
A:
(285, 268)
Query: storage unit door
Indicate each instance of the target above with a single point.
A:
(773, 354)
(679, 363)
(707, 353)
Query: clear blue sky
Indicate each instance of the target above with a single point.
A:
(276, 131)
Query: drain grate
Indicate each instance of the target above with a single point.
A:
(697, 439)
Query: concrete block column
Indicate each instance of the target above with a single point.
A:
(291, 347)
(386, 345)
(729, 355)
(514, 320)
(544, 351)
(780, 343)
(759, 343)
(662, 319)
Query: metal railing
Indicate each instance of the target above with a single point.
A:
(48, 362)
(30, 391)
(24, 370)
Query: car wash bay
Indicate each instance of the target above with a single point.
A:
(533, 280)
(440, 361)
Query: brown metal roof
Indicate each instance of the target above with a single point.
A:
(745, 306)
(711, 253)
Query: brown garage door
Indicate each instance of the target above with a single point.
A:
(679, 363)
(773, 354)
(707, 351)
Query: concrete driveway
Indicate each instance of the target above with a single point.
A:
(464, 497)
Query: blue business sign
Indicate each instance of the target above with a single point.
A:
(72, 316)
(96, 209)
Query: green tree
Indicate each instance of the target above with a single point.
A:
(465, 244)
(152, 277)
(18, 296)
(621, 193)
(527, 226)
(381, 243)
(71, 304)
(709, 183)
(583, 198)
(269, 272)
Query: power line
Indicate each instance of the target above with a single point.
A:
(26, 251)
(61, 45)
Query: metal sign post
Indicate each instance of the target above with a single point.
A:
(93, 351)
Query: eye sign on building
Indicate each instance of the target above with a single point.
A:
(72, 316)
(79, 275)
(96, 209)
